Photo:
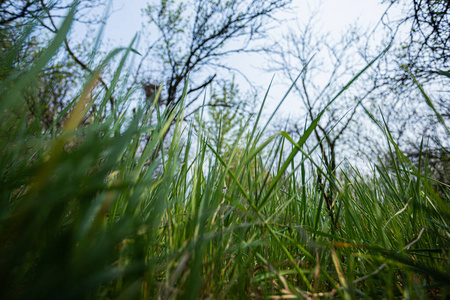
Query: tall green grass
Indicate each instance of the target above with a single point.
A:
(119, 209)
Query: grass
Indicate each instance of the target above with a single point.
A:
(120, 209)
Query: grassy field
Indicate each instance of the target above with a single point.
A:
(105, 210)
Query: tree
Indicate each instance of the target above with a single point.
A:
(22, 12)
(325, 66)
(50, 93)
(412, 81)
(14, 12)
(226, 116)
(427, 49)
(193, 39)
(319, 68)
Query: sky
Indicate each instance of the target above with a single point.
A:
(334, 16)
(126, 18)
(125, 21)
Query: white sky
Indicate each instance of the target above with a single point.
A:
(334, 16)
(127, 19)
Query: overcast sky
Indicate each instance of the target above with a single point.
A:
(334, 16)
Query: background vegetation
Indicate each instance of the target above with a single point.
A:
(115, 186)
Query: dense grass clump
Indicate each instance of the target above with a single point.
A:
(119, 208)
